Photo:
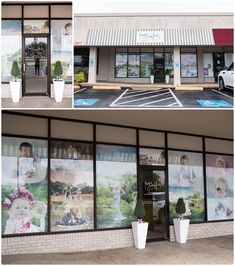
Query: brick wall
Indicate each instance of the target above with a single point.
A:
(5, 91)
(204, 230)
(99, 240)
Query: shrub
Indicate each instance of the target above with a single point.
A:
(180, 207)
(15, 71)
(80, 76)
(139, 211)
(58, 70)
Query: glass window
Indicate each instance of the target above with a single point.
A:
(133, 65)
(188, 65)
(24, 185)
(11, 47)
(208, 65)
(121, 65)
(72, 196)
(169, 63)
(36, 26)
(219, 175)
(61, 47)
(228, 58)
(81, 63)
(152, 157)
(116, 179)
(146, 64)
(186, 181)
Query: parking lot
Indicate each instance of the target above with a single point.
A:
(159, 98)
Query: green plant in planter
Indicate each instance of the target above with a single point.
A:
(58, 70)
(15, 71)
(168, 72)
(152, 71)
(180, 207)
(139, 211)
(80, 76)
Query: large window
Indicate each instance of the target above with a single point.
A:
(208, 65)
(72, 198)
(146, 64)
(116, 185)
(133, 65)
(81, 63)
(61, 47)
(36, 26)
(11, 46)
(24, 185)
(186, 181)
(188, 65)
(169, 63)
(121, 65)
(219, 175)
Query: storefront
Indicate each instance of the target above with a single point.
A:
(80, 179)
(190, 48)
(35, 36)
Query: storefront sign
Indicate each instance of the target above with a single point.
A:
(144, 37)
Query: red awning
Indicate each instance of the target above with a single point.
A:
(223, 36)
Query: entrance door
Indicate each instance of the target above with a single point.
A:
(35, 66)
(159, 67)
(218, 62)
(152, 189)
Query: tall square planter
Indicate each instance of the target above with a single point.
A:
(140, 231)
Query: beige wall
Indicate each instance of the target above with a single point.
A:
(84, 23)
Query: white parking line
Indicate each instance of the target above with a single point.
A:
(144, 93)
(223, 94)
(80, 90)
(161, 100)
(113, 103)
(177, 100)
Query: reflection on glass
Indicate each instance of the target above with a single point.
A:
(11, 47)
(188, 65)
(24, 185)
(116, 185)
(36, 26)
(72, 197)
(121, 65)
(152, 157)
(36, 65)
(146, 64)
(186, 181)
(133, 65)
(169, 63)
(61, 47)
(220, 191)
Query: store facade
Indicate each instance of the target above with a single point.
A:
(65, 174)
(128, 48)
(35, 36)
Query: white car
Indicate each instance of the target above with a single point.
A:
(225, 78)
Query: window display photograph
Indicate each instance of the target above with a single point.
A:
(220, 191)
(121, 65)
(188, 65)
(152, 157)
(72, 188)
(186, 181)
(116, 183)
(24, 185)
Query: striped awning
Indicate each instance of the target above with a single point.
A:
(129, 37)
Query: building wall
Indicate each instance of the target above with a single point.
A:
(100, 240)
(6, 93)
(84, 23)
(107, 65)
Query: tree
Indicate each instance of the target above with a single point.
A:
(15, 71)
(58, 70)
(139, 211)
(180, 207)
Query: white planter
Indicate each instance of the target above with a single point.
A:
(181, 230)
(58, 90)
(152, 79)
(140, 231)
(167, 79)
(15, 88)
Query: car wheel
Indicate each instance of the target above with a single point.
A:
(221, 84)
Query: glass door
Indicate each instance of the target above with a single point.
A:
(159, 67)
(218, 62)
(35, 66)
(153, 191)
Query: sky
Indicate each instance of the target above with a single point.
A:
(152, 6)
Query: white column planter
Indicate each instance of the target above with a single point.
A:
(152, 79)
(167, 79)
(181, 230)
(58, 90)
(15, 88)
(140, 231)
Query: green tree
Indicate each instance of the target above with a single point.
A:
(58, 70)
(15, 71)
(180, 207)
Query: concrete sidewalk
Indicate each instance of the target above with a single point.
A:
(217, 250)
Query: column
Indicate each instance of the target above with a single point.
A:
(200, 64)
(92, 65)
(177, 81)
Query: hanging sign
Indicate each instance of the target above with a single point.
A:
(147, 36)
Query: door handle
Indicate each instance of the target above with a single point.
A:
(24, 67)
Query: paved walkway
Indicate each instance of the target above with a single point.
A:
(217, 250)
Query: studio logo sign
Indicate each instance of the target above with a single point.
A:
(145, 37)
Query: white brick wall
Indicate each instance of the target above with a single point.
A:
(5, 91)
(99, 240)
(204, 230)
